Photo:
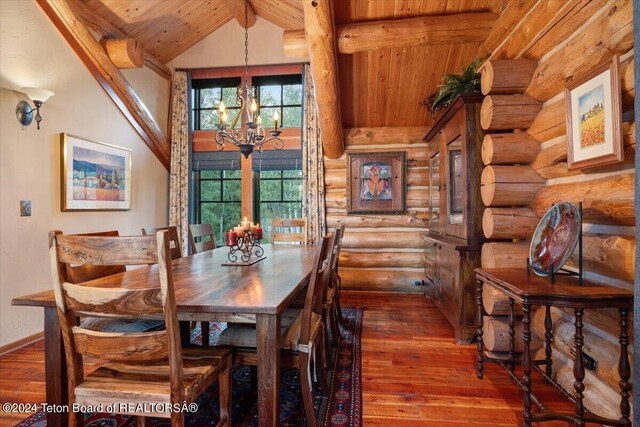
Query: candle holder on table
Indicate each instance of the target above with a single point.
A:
(245, 249)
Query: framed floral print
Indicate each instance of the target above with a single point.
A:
(94, 176)
(594, 118)
(376, 182)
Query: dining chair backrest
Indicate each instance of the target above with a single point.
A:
(320, 276)
(197, 234)
(84, 273)
(287, 230)
(337, 246)
(104, 297)
(174, 240)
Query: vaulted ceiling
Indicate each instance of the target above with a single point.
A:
(383, 87)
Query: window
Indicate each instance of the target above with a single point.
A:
(279, 195)
(219, 201)
(217, 178)
(207, 94)
(282, 94)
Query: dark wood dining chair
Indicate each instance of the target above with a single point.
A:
(83, 273)
(176, 252)
(302, 331)
(332, 306)
(289, 230)
(143, 369)
(197, 235)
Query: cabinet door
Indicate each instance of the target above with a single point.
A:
(454, 176)
(430, 264)
(436, 221)
(448, 283)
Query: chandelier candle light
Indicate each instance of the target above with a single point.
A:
(253, 136)
(245, 237)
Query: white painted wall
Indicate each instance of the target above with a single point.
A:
(225, 47)
(33, 53)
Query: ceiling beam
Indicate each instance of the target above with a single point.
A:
(403, 32)
(237, 9)
(64, 17)
(319, 31)
(108, 31)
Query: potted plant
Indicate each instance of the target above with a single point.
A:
(454, 85)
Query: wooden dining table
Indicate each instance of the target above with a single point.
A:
(205, 290)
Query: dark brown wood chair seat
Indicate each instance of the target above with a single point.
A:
(149, 381)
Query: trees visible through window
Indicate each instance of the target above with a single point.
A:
(279, 195)
(207, 94)
(282, 94)
(220, 200)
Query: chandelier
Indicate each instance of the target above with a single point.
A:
(253, 137)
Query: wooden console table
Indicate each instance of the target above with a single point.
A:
(533, 290)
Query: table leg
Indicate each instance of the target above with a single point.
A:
(578, 368)
(268, 348)
(624, 369)
(479, 368)
(55, 367)
(548, 337)
(526, 363)
(512, 334)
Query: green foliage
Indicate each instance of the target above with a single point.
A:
(454, 85)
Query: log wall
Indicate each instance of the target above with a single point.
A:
(381, 252)
(566, 43)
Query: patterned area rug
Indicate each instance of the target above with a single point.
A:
(343, 407)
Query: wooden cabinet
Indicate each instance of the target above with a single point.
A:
(452, 245)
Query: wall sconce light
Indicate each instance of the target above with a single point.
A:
(24, 111)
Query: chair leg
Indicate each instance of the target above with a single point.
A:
(321, 370)
(75, 419)
(307, 392)
(224, 382)
(141, 421)
(253, 377)
(177, 419)
(333, 322)
(204, 328)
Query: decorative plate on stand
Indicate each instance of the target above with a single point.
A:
(555, 238)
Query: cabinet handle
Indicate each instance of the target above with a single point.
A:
(444, 186)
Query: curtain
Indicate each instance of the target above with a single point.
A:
(179, 171)
(313, 206)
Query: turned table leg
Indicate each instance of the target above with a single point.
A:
(624, 369)
(526, 363)
(578, 368)
(479, 368)
(512, 335)
(548, 336)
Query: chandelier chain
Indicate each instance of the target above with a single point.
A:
(246, 42)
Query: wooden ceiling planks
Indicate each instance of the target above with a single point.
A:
(385, 87)
(286, 14)
(389, 87)
(165, 28)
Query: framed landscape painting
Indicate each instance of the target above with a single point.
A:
(94, 176)
(594, 118)
(376, 182)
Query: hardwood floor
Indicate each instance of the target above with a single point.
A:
(413, 372)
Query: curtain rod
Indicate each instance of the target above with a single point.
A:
(240, 66)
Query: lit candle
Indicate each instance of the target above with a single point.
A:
(276, 116)
(232, 238)
(254, 109)
(258, 232)
(221, 107)
(239, 231)
(253, 228)
(246, 224)
(259, 121)
(223, 117)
